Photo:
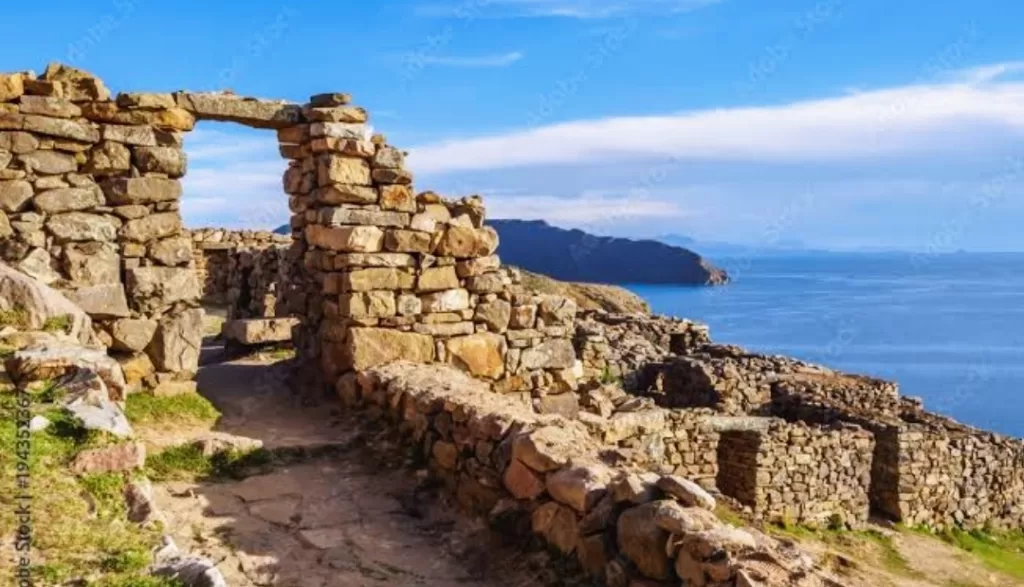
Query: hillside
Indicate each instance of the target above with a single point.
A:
(574, 255)
(589, 296)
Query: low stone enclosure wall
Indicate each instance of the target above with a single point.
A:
(375, 272)
(243, 270)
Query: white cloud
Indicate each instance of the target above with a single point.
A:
(909, 120)
(587, 208)
(477, 61)
(581, 9)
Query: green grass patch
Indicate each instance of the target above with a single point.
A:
(62, 323)
(138, 581)
(187, 461)
(145, 408)
(852, 542)
(999, 551)
(79, 524)
(15, 318)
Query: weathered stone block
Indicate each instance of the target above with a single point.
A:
(232, 108)
(378, 278)
(408, 241)
(437, 279)
(332, 169)
(369, 304)
(169, 160)
(353, 239)
(452, 300)
(482, 355)
(14, 195)
(68, 200)
(551, 354)
(108, 157)
(154, 226)
(398, 198)
(106, 300)
(48, 162)
(152, 289)
(49, 106)
(141, 190)
(360, 216)
(61, 128)
(79, 226)
(346, 194)
(255, 331)
(132, 334)
(177, 341)
(371, 347)
(92, 263)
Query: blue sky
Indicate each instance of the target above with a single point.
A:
(836, 123)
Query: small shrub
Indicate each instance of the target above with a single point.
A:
(15, 318)
(128, 561)
(62, 323)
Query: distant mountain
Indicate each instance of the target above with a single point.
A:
(574, 255)
(283, 229)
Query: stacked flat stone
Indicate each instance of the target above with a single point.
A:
(545, 474)
(401, 275)
(89, 198)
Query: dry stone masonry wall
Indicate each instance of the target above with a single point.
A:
(245, 270)
(89, 197)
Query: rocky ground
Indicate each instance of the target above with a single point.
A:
(588, 296)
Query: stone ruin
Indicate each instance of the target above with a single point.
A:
(605, 431)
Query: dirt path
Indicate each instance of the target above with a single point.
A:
(356, 517)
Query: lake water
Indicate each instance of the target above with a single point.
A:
(947, 328)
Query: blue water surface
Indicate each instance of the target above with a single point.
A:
(948, 328)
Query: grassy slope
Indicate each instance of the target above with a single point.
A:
(589, 296)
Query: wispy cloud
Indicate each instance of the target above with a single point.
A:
(877, 124)
(587, 208)
(580, 9)
(467, 61)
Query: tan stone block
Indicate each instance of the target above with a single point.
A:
(62, 128)
(350, 114)
(397, 197)
(354, 239)
(332, 169)
(12, 86)
(232, 108)
(145, 136)
(370, 347)
(409, 241)
(14, 195)
(348, 147)
(369, 304)
(48, 162)
(145, 100)
(44, 106)
(108, 157)
(18, 142)
(378, 278)
(522, 482)
(141, 190)
(481, 355)
(437, 279)
(453, 300)
(167, 160)
(167, 119)
(385, 175)
(360, 216)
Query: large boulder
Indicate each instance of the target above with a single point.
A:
(36, 303)
(60, 359)
(175, 346)
(643, 541)
(254, 331)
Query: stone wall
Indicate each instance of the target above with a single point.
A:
(89, 198)
(798, 473)
(547, 476)
(616, 347)
(245, 270)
